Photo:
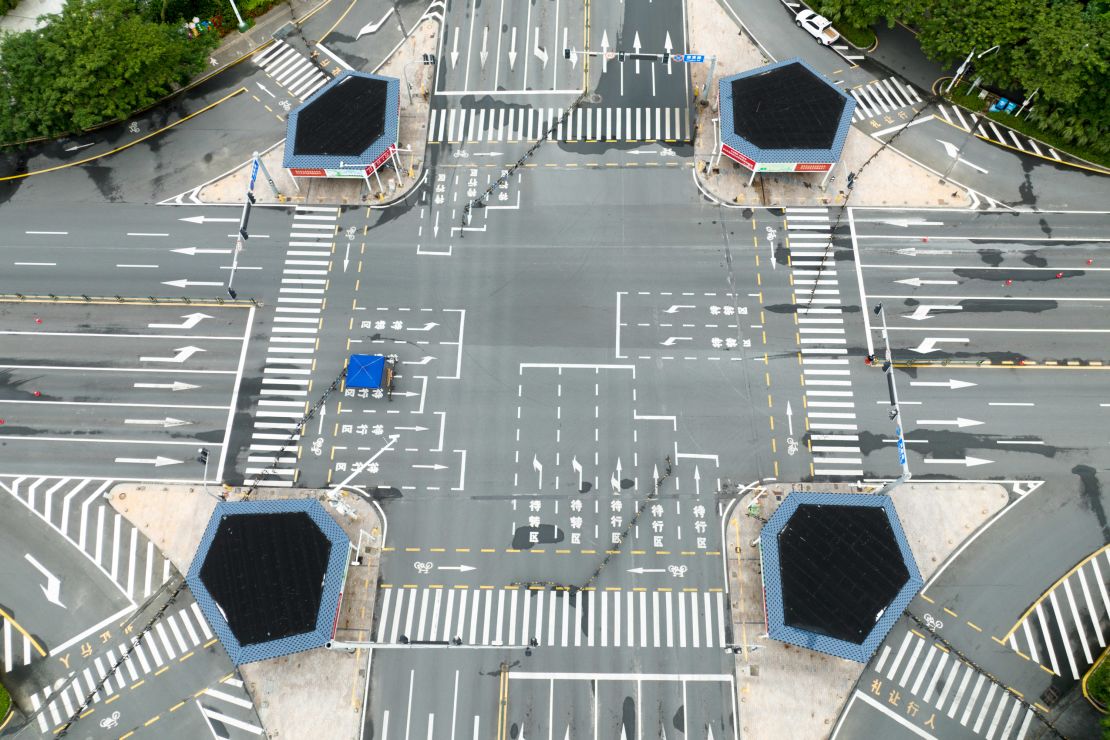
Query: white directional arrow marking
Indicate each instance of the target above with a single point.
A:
(347, 257)
(918, 282)
(483, 55)
(577, 467)
(405, 394)
(669, 341)
(512, 48)
(903, 222)
(412, 429)
(951, 383)
(169, 421)
(539, 51)
(183, 353)
(183, 283)
(427, 327)
(323, 413)
(970, 462)
(914, 251)
(423, 361)
(953, 151)
(922, 312)
(193, 251)
(158, 462)
(263, 89)
(208, 220)
(675, 308)
(929, 344)
(460, 568)
(455, 49)
(636, 48)
(177, 385)
(605, 51)
(697, 481)
(959, 422)
(191, 320)
(487, 154)
(538, 467)
(437, 466)
(641, 571)
(53, 588)
(435, 228)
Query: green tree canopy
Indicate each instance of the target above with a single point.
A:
(98, 60)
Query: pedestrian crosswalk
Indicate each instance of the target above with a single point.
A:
(1066, 629)
(76, 509)
(515, 123)
(175, 634)
(291, 70)
(830, 404)
(940, 682)
(987, 129)
(16, 646)
(883, 96)
(589, 618)
(272, 455)
(226, 707)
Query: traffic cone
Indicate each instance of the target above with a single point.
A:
(1059, 274)
(1009, 283)
(38, 320)
(37, 394)
(1090, 262)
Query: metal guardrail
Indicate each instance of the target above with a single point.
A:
(127, 300)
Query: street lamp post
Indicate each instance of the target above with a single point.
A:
(963, 67)
(895, 411)
(238, 17)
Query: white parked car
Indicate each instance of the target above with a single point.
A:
(817, 26)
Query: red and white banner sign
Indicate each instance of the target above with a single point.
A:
(812, 167)
(737, 156)
(381, 159)
(306, 172)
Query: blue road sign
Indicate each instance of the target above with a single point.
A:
(901, 448)
(254, 173)
(688, 57)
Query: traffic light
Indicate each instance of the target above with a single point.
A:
(202, 456)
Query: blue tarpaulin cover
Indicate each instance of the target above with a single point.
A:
(365, 371)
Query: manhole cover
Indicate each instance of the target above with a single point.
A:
(594, 98)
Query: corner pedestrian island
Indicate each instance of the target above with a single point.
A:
(837, 572)
(268, 576)
(784, 117)
(348, 128)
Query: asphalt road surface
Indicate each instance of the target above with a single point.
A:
(588, 372)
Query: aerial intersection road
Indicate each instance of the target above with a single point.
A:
(588, 374)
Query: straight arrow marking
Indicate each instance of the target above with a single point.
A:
(157, 462)
(960, 422)
(174, 386)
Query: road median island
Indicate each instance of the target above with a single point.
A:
(297, 694)
(786, 691)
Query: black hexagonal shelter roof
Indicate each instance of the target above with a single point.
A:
(786, 107)
(841, 567)
(266, 572)
(326, 126)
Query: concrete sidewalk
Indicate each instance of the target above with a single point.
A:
(297, 694)
(788, 692)
(388, 185)
(889, 180)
